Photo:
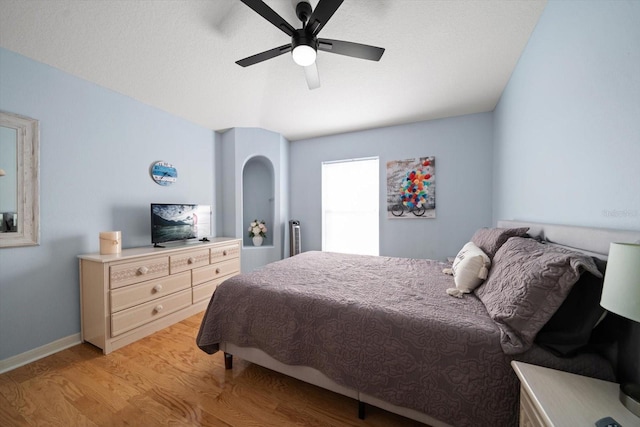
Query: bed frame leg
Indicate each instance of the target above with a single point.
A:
(361, 409)
(228, 361)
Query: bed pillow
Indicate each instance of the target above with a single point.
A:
(470, 268)
(491, 239)
(527, 284)
(570, 328)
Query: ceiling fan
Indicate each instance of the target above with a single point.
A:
(304, 41)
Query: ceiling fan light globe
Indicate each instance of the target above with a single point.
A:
(303, 55)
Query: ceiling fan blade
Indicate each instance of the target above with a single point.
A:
(356, 50)
(270, 15)
(322, 13)
(263, 56)
(312, 76)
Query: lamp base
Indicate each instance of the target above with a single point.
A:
(630, 397)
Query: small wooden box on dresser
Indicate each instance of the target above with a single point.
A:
(127, 296)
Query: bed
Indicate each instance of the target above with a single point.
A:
(384, 331)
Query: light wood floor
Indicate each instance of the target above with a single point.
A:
(165, 379)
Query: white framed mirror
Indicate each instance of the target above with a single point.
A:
(19, 186)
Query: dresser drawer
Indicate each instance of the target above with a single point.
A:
(206, 289)
(133, 295)
(188, 260)
(134, 317)
(220, 269)
(139, 271)
(221, 253)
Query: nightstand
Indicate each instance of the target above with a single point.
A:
(556, 398)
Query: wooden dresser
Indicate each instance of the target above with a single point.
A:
(127, 296)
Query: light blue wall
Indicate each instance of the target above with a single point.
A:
(463, 149)
(96, 149)
(567, 129)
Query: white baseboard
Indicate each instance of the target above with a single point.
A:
(38, 353)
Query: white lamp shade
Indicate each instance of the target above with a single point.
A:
(304, 55)
(621, 290)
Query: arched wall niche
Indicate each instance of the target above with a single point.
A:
(254, 184)
(258, 189)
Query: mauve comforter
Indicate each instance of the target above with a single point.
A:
(383, 326)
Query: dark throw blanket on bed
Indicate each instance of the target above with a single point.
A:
(383, 326)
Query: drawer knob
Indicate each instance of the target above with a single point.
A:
(143, 270)
(217, 271)
(224, 253)
(191, 260)
(158, 308)
(157, 288)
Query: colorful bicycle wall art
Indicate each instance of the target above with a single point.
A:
(411, 188)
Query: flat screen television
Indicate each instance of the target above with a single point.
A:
(179, 222)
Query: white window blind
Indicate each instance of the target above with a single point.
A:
(350, 205)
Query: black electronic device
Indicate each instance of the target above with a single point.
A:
(607, 422)
(171, 222)
(295, 244)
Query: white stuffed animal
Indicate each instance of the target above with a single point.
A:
(469, 270)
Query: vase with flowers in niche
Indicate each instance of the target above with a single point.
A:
(257, 232)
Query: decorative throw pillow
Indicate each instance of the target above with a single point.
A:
(527, 284)
(469, 269)
(490, 239)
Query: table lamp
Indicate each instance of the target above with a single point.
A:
(621, 295)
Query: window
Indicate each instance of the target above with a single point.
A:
(350, 204)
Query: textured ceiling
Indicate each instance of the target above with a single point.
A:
(443, 58)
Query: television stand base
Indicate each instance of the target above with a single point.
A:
(155, 245)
